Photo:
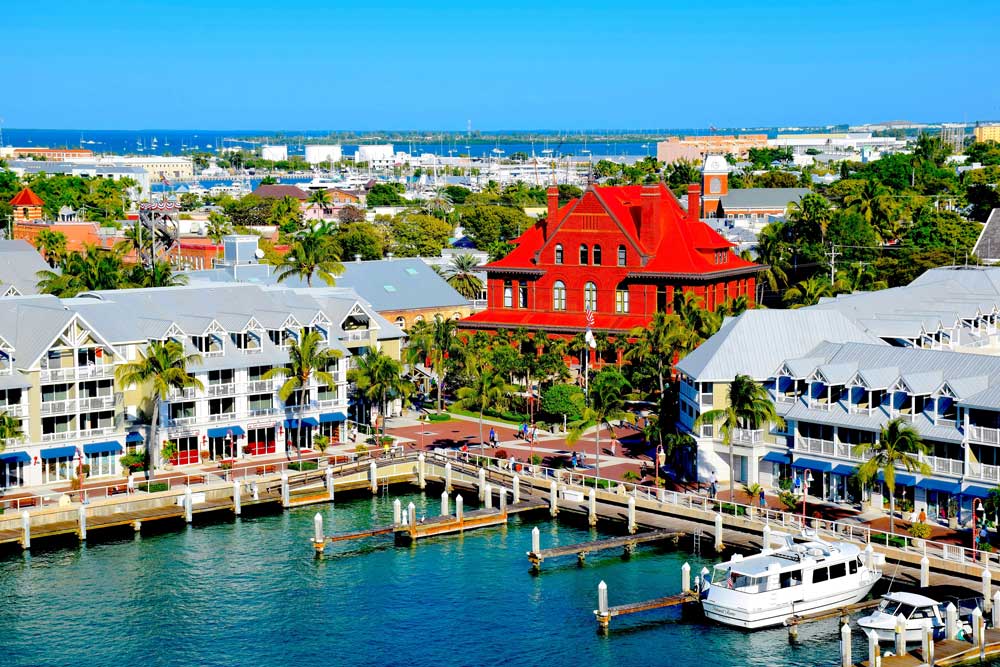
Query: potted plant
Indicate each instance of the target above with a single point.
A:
(320, 443)
(168, 453)
(205, 454)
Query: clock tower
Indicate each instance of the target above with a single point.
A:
(715, 177)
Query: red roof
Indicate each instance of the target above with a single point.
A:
(26, 198)
(551, 321)
(280, 191)
(685, 246)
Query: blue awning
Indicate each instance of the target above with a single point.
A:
(102, 447)
(58, 453)
(308, 421)
(901, 478)
(813, 464)
(977, 491)
(15, 457)
(845, 469)
(328, 417)
(776, 457)
(939, 485)
(133, 437)
(224, 431)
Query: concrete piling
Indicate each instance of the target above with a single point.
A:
(447, 477)
(536, 540)
(516, 497)
(553, 499)
(869, 556)
(900, 635)
(631, 515)
(481, 487)
(718, 532)
(592, 506)
(188, 509)
(979, 627)
(329, 482)
(767, 538)
(459, 512)
(421, 471)
(925, 572)
(286, 492)
(237, 498)
(488, 496)
(846, 659)
(874, 657)
(685, 578)
(927, 642)
(444, 504)
(602, 606)
(996, 610)
(987, 589)
(977, 620)
(951, 621)
(397, 512)
(81, 514)
(25, 529)
(373, 477)
(503, 500)
(411, 513)
(319, 537)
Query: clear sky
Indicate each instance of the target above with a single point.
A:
(510, 64)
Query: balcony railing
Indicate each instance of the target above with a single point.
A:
(221, 389)
(946, 466)
(14, 409)
(178, 422)
(741, 436)
(223, 417)
(58, 407)
(846, 451)
(10, 444)
(96, 371)
(985, 472)
(785, 398)
(984, 434)
(186, 392)
(56, 437)
(263, 412)
(815, 446)
(100, 430)
(258, 386)
(357, 335)
(101, 402)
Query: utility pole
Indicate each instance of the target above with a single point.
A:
(833, 262)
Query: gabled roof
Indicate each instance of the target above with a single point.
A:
(277, 191)
(26, 198)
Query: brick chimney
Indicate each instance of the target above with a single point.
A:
(650, 227)
(553, 197)
(694, 203)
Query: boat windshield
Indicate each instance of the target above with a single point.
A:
(723, 577)
(896, 608)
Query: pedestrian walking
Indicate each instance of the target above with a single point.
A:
(493, 437)
(522, 429)
(923, 517)
(712, 482)
(130, 485)
(761, 499)
(534, 432)
(614, 446)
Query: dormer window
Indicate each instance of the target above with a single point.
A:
(559, 254)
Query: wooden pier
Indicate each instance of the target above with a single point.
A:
(604, 613)
(580, 550)
(945, 653)
(361, 534)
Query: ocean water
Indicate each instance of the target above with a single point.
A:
(250, 592)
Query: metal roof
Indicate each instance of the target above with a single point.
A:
(768, 198)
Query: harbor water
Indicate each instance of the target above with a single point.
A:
(250, 592)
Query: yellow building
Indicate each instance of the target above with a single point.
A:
(987, 132)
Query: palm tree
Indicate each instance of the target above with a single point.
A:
(860, 276)
(93, 269)
(666, 340)
(434, 342)
(52, 245)
(312, 254)
(10, 429)
(320, 197)
(774, 252)
(488, 389)
(875, 204)
(308, 357)
(690, 307)
(164, 366)
(379, 377)
(461, 275)
(813, 213)
(218, 226)
(808, 292)
(286, 212)
(899, 446)
(749, 407)
(607, 402)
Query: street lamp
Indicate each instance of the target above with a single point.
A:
(661, 458)
(807, 479)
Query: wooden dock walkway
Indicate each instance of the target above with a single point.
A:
(628, 542)
(947, 653)
(605, 615)
(361, 534)
(839, 612)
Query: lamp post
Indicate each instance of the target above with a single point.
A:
(661, 458)
(807, 479)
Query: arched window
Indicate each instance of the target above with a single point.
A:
(621, 299)
(400, 322)
(558, 296)
(508, 294)
(597, 255)
(590, 296)
(622, 255)
(559, 253)
(583, 253)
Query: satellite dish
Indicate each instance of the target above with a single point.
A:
(259, 253)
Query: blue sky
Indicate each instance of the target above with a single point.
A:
(544, 64)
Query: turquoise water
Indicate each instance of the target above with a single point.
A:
(250, 593)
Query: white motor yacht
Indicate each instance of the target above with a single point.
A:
(918, 608)
(801, 577)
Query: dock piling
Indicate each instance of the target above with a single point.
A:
(793, 633)
(25, 529)
(411, 513)
(979, 625)
(592, 506)
(447, 477)
(874, 657)
(951, 621)
(237, 498)
(553, 499)
(459, 513)
(373, 474)
(900, 635)
(996, 610)
(286, 494)
(767, 538)
(685, 578)
(503, 499)
(188, 504)
(846, 658)
(82, 518)
(517, 490)
(987, 589)
(487, 496)
(397, 512)
(481, 487)
(869, 556)
(603, 617)
(319, 537)
(536, 540)
(927, 642)
(631, 515)
(977, 621)
(718, 532)
(444, 504)
(329, 482)
(421, 471)
(925, 572)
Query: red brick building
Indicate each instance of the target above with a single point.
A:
(622, 252)
(27, 206)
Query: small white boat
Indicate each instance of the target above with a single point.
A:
(765, 589)
(917, 609)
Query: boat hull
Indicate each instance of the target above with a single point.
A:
(776, 615)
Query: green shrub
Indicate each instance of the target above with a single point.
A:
(303, 465)
(789, 500)
(562, 399)
(897, 541)
(134, 462)
(153, 487)
(921, 531)
(438, 417)
(730, 508)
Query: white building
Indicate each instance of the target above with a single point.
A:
(835, 141)
(274, 153)
(324, 153)
(377, 156)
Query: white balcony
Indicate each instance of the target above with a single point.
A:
(100, 402)
(945, 466)
(740, 436)
(356, 335)
(984, 472)
(11, 444)
(787, 399)
(14, 410)
(96, 371)
(223, 417)
(984, 434)
(180, 422)
(179, 394)
(221, 389)
(846, 451)
(264, 412)
(58, 407)
(57, 437)
(815, 446)
(100, 430)
(260, 386)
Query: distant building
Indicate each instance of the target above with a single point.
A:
(987, 132)
(48, 153)
(715, 183)
(753, 206)
(86, 169)
(835, 141)
(697, 147)
(27, 206)
(274, 153)
(377, 156)
(324, 153)
(157, 166)
(279, 191)
(953, 135)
